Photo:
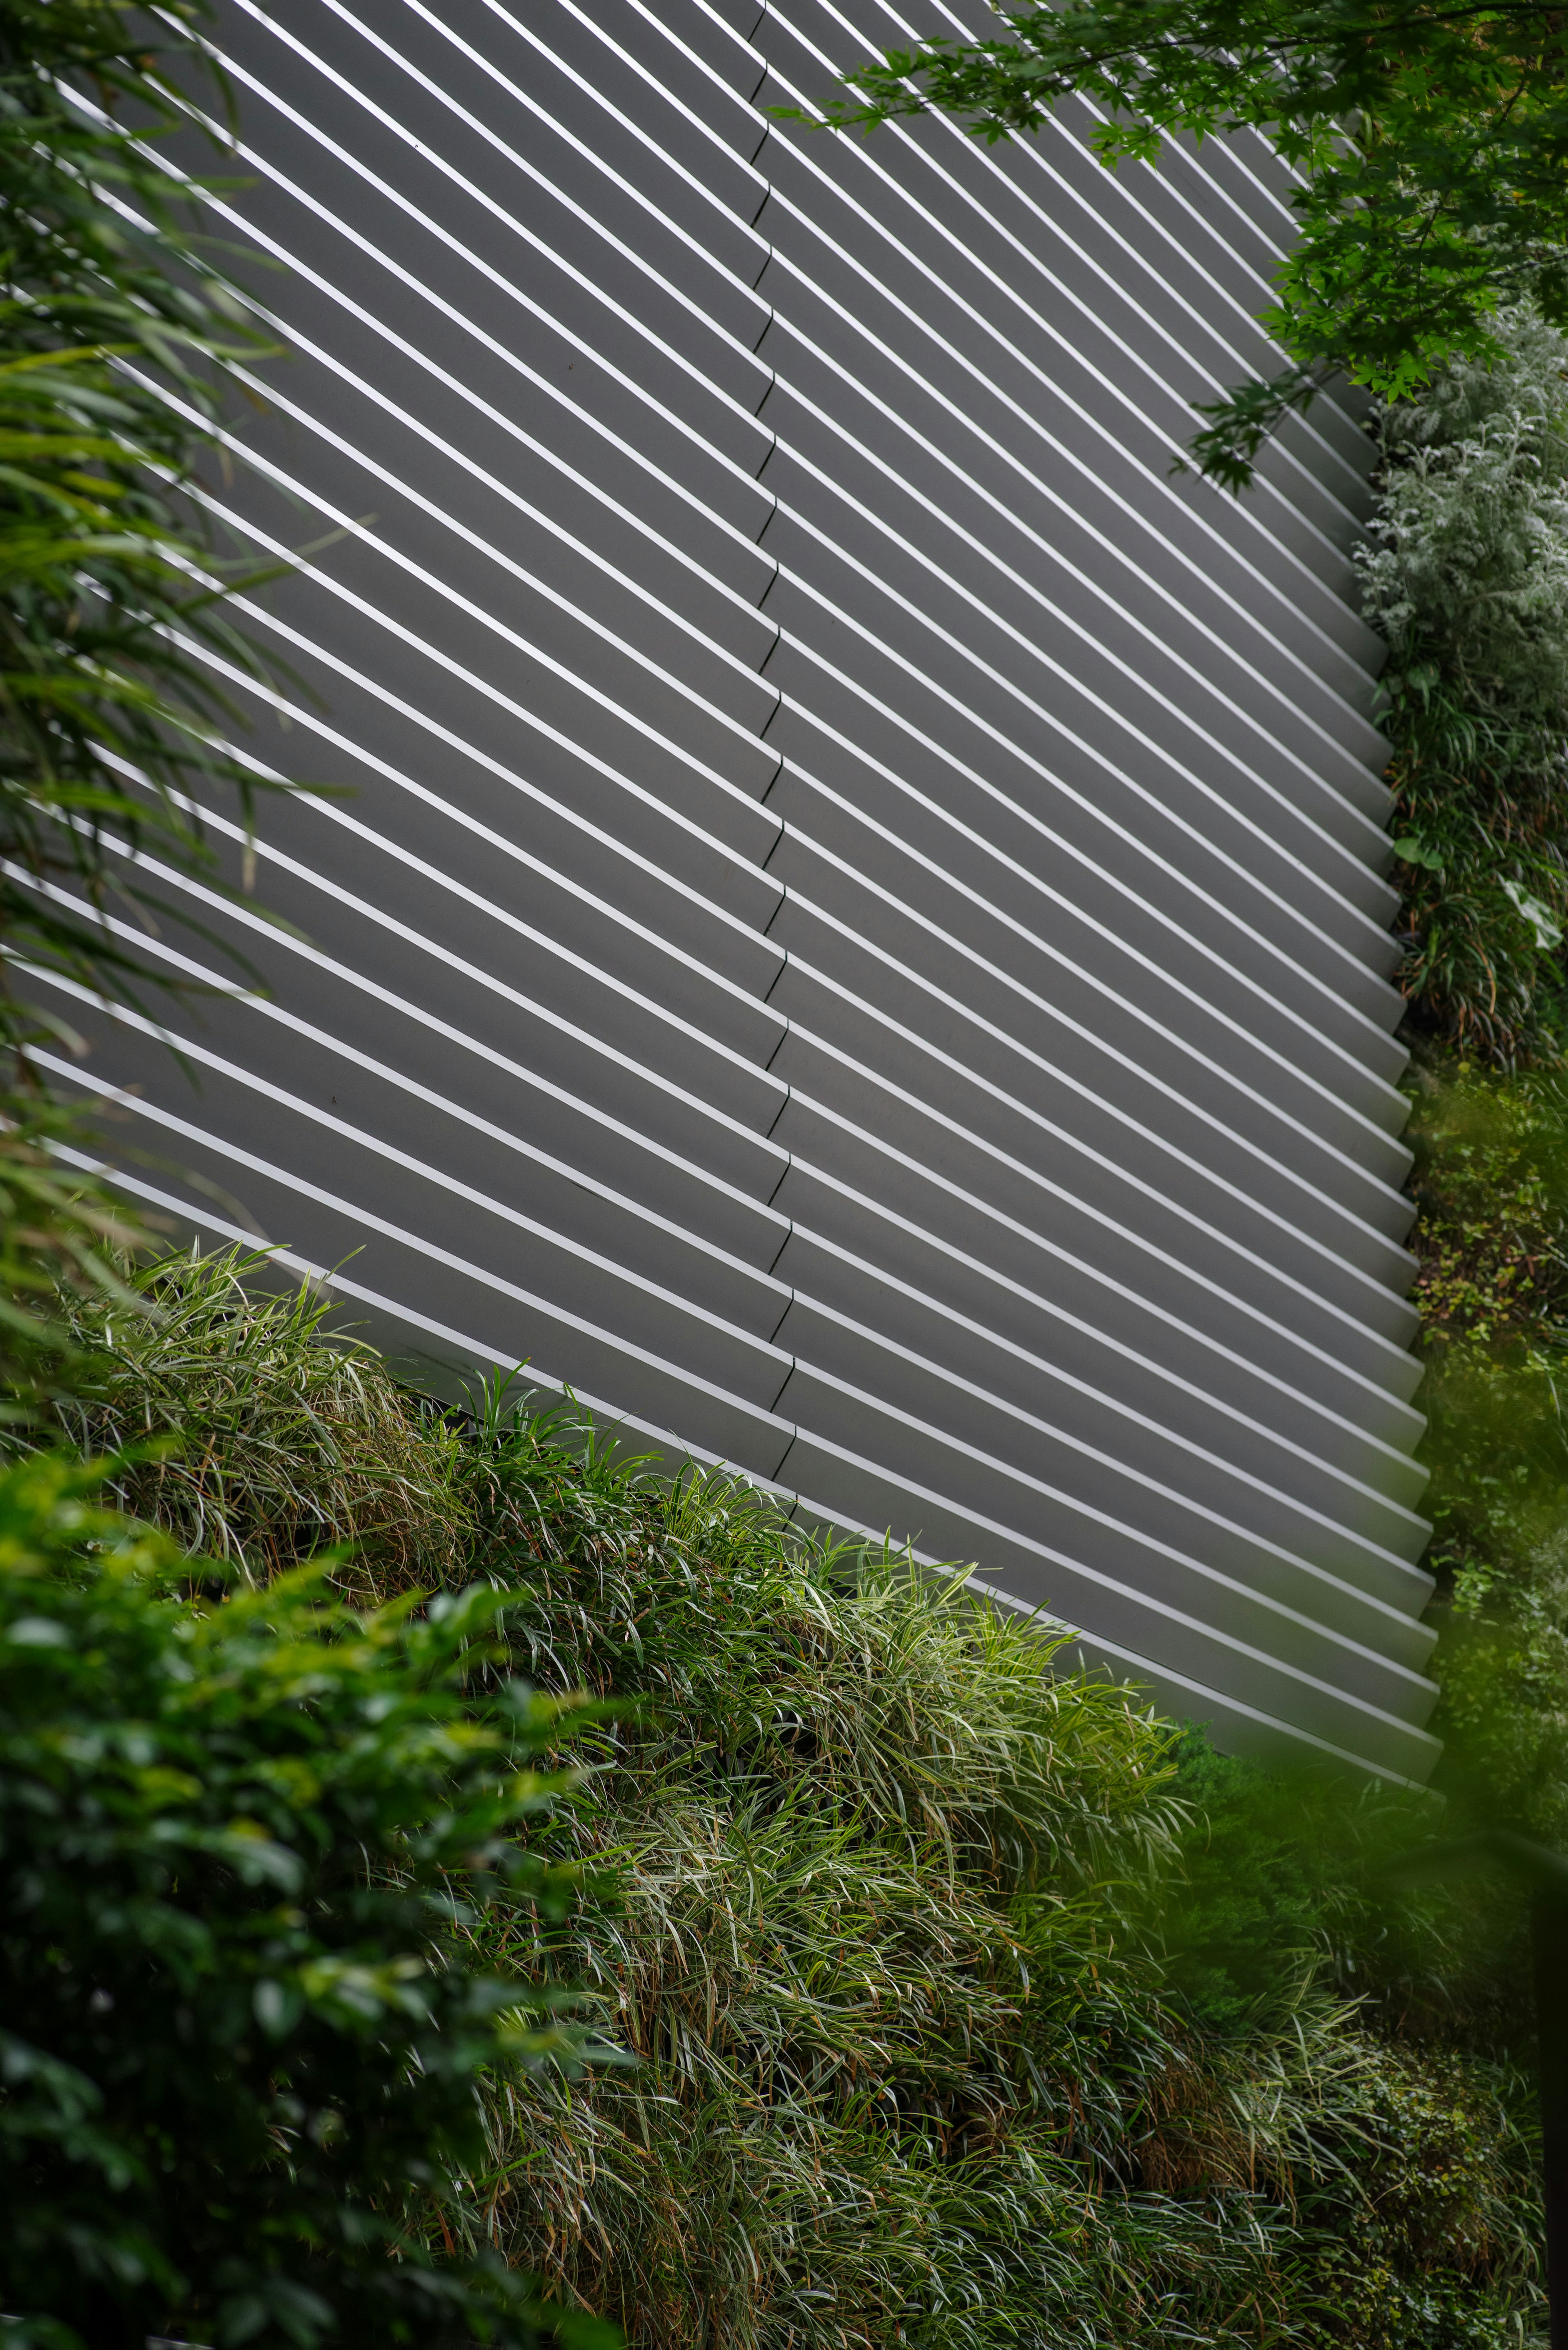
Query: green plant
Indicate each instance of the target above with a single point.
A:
(113, 347)
(290, 1438)
(1430, 145)
(1448, 2165)
(955, 2020)
(61, 1232)
(1465, 572)
(1492, 1185)
(114, 333)
(248, 1842)
(969, 2003)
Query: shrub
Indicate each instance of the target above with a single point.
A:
(1449, 2199)
(1491, 1182)
(1467, 576)
(1492, 1185)
(247, 1843)
(1465, 572)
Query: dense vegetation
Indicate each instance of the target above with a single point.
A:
(1493, 1183)
(1466, 572)
(969, 2002)
(249, 1840)
(256, 1843)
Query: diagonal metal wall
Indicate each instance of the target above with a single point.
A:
(855, 936)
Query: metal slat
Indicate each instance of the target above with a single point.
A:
(857, 938)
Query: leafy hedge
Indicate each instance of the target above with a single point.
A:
(249, 1840)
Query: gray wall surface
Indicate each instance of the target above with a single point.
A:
(851, 928)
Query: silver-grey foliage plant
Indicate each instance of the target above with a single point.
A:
(1465, 572)
(1471, 547)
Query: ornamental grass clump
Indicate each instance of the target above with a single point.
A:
(928, 2049)
(234, 1425)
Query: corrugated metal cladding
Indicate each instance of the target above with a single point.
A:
(854, 933)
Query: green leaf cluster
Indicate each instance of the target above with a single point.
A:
(252, 1842)
(1430, 145)
(1465, 572)
(117, 329)
(114, 334)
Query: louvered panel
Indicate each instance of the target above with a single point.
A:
(850, 927)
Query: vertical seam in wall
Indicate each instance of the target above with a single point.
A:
(765, 132)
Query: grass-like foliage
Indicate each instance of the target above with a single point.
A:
(61, 1232)
(286, 1446)
(861, 1817)
(966, 2002)
(947, 2030)
(1466, 574)
(247, 1841)
(113, 335)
